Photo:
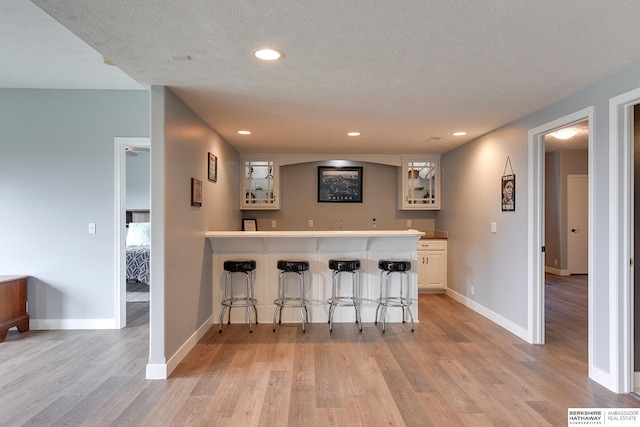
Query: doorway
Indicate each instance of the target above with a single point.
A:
(537, 238)
(123, 146)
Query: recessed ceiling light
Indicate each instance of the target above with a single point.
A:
(565, 133)
(244, 132)
(353, 133)
(268, 54)
(459, 133)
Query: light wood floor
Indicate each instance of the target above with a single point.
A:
(456, 369)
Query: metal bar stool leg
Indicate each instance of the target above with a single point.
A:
(356, 297)
(224, 297)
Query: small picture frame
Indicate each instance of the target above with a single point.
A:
(213, 167)
(249, 224)
(196, 192)
(340, 184)
(508, 193)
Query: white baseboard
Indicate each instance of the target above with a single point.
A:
(162, 371)
(56, 324)
(557, 271)
(507, 324)
(157, 371)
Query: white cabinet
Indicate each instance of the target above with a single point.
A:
(420, 183)
(259, 184)
(432, 266)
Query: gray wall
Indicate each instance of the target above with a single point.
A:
(299, 202)
(497, 263)
(138, 194)
(181, 295)
(559, 164)
(57, 176)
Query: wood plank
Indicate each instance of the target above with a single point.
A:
(456, 369)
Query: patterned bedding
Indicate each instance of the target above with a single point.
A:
(138, 263)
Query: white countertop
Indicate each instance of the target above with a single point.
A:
(312, 233)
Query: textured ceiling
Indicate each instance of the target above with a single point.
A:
(37, 52)
(405, 74)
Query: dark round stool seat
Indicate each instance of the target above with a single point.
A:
(344, 264)
(293, 266)
(240, 265)
(394, 265)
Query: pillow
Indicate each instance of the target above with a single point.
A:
(138, 234)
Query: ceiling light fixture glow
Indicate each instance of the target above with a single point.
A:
(268, 54)
(459, 133)
(353, 133)
(565, 133)
(244, 132)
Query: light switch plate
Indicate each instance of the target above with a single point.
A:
(92, 228)
(494, 227)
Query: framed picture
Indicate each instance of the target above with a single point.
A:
(196, 192)
(340, 184)
(249, 224)
(213, 167)
(508, 193)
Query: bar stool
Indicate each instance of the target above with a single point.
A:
(233, 267)
(300, 301)
(350, 266)
(387, 268)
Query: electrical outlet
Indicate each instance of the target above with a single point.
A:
(373, 223)
(273, 223)
(408, 223)
(310, 223)
(494, 227)
(555, 261)
(92, 228)
(473, 290)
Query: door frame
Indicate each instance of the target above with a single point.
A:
(119, 233)
(536, 298)
(621, 315)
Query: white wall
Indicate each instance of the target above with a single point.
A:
(138, 194)
(57, 176)
(497, 263)
(181, 294)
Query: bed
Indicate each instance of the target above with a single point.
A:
(138, 251)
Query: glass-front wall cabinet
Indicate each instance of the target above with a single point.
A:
(260, 189)
(420, 178)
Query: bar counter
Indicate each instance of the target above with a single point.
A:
(317, 247)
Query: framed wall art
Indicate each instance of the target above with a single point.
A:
(508, 188)
(340, 184)
(213, 167)
(196, 192)
(249, 224)
(509, 193)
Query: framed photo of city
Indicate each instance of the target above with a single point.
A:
(340, 184)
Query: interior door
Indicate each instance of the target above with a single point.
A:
(578, 224)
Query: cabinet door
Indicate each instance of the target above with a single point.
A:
(435, 270)
(422, 270)
(259, 185)
(420, 183)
